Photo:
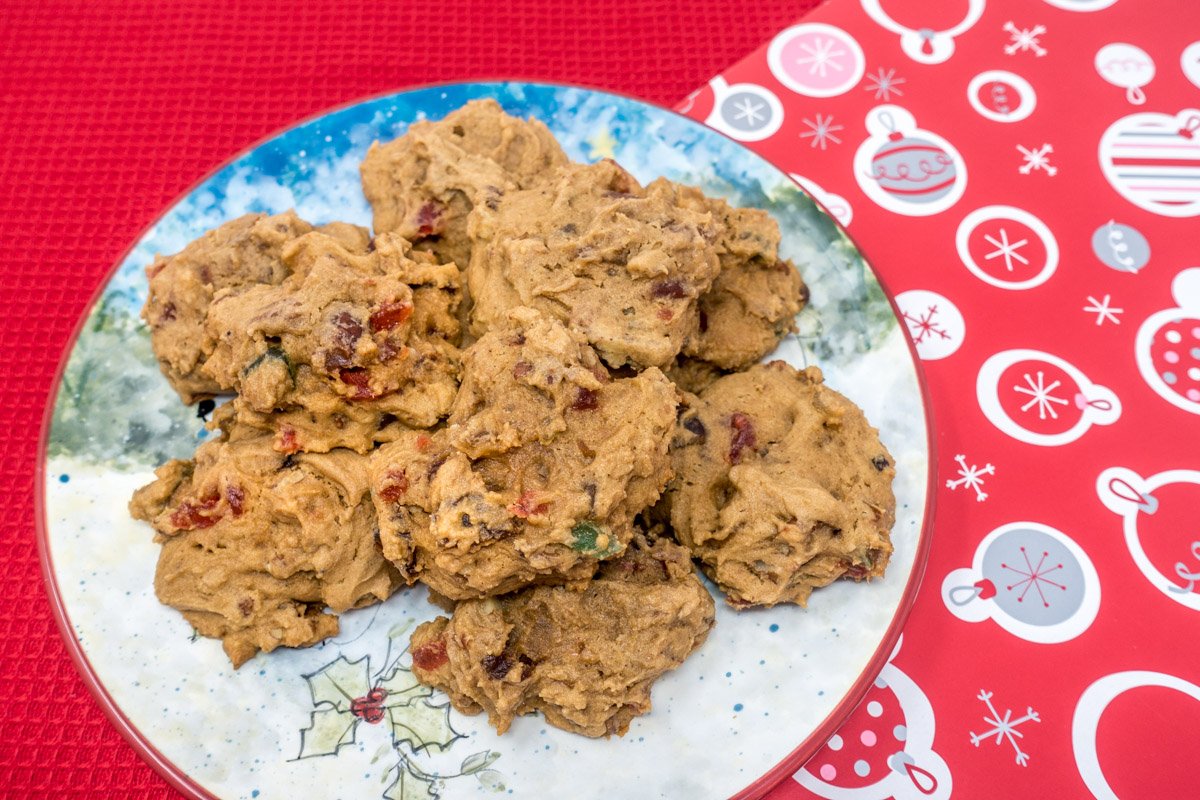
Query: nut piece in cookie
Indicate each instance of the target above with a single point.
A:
(622, 264)
(423, 184)
(539, 473)
(781, 486)
(241, 253)
(256, 545)
(344, 344)
(585, 659)
(753, 303)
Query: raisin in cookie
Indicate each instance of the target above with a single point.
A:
(539, 473)
(241, 253)
(423, 184)
(346, 343)
(781, 487)
(585, 659)
(256, 545)
(622, 264)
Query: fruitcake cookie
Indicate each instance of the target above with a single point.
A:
(345, 344)
(753, 302)
(539, 473)
(423, 184)
(781, 486)
(622, 264)
(585, 659)
(256, 545)
(241, 253)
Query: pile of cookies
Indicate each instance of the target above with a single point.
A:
(535, 390)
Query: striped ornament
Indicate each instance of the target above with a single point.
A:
(1153, 160)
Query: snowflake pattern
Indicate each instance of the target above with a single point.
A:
(1041, 395)
(884, 84)
(1034, 158)
(750, 110)
(1024, 40)
(924, 325)
(822, 56)
(1103, 311)
(1033, 576)
(970, 477)
(1004, 728)
(1005, 249)
(822, 131)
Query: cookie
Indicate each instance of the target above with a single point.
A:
(781, 486)
(347, 343)
(619, 263)
(539, 473)
(241, 253)
(585, 659)
(425, 183)
(754, 300)
(257, 545)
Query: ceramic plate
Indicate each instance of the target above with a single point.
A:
(759, 697)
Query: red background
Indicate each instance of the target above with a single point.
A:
(109, 110)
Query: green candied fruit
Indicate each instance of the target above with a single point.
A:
(276, 354)
(589, 538)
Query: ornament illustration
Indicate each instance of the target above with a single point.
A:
(1024, 40)
(1041, 399)
(935, 324)
(884, 750)
(1153, 161)
(1004, 728)
(1092, 704)
(925, 45)
(1007, 247)
(816, 60)
(1120, 247)
(743, 111)
(837, 206)
(1167, 348)
(1001, 96)
(1081, 5)
(1162, 531)
(1126, 66)
(1032, 580)
(1189, 62)
(905, 169)
(970, 477)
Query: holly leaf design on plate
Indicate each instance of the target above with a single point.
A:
(422, 725)
(339, 682)
(328, 730)
(409, 786)
(402, 688)
(477, 761)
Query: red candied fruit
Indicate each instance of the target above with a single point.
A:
(430, 655)
(743, 436)
(397, 485)
(390, 315)
(191, 515)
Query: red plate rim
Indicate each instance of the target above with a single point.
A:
(179, 779)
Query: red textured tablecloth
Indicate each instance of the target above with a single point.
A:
(109, 109)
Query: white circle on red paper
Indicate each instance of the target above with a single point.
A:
(934, 323)
(1081, 5)
(725, 96)
(1020, 221)
(1092, 703)
(816, 60)
(989, 93)
(1189, 62)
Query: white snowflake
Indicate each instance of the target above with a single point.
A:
(1035, 158)
(822, 131)
(1103, 310)
(821, 57)
(1034, 577)
(924, 325)
(1041, 394)
(1024, 39)
(1004, 728)
(1006, 249)
(971, 477)
(884, 84)
(750, 110)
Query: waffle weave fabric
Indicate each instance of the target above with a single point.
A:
(109, 110)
